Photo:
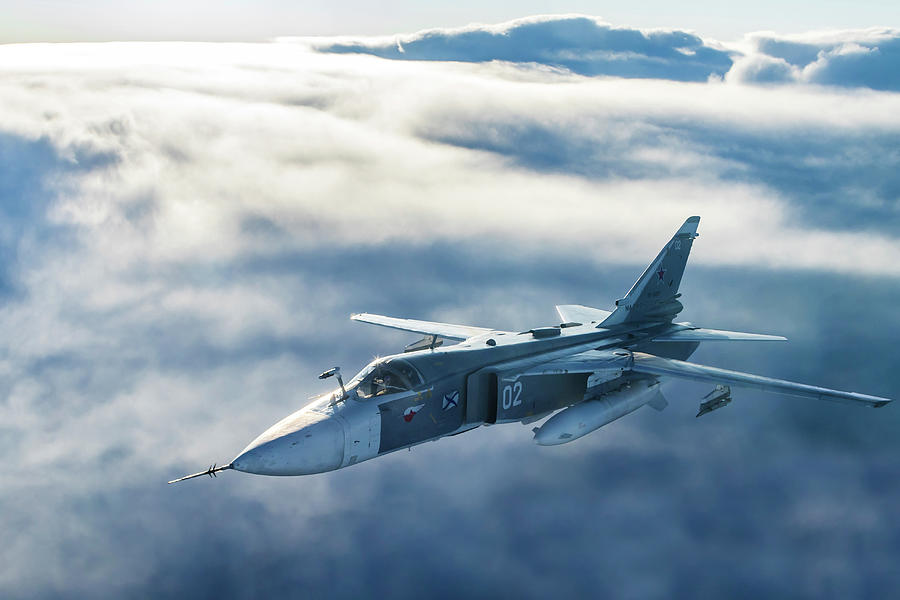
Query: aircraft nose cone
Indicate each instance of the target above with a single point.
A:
(301, 444)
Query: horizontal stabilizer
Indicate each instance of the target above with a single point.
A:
(445, 330)
(576, 313)
(715, 335)
(655, 365)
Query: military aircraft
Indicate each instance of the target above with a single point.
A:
(591, 369)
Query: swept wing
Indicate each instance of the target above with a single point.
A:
(715, 335)
(448, 331)
(638, 362)
(655, 365)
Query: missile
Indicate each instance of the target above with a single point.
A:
(719, 397)
(590, 415)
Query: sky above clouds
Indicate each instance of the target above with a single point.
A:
(186, 227)
(256, 20)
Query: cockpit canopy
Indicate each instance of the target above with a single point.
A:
(386, 376)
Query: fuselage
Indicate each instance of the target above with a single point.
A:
(592, 372)
(407, 399)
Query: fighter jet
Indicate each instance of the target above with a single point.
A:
(591, 369)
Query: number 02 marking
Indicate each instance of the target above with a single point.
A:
(512, 395)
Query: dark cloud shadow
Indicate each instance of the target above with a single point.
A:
(874, 65)
(838, 179)
(24, 195)
(857, 60)
(798, 54)
(31, 171)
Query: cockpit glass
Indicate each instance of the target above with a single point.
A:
(386, 377)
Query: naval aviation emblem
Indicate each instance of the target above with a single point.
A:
(410, 412)
(451, 400)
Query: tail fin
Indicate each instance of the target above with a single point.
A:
(654, 296)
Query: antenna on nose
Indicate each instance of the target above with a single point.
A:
(210, 471)
(335, 371)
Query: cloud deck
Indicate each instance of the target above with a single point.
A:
(181, 222)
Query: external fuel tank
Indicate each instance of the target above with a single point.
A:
(590, 415)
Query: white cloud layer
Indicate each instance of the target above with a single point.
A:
(854, 58)
(186, 226)
(193, 144)
(589, 46)
(581, 44)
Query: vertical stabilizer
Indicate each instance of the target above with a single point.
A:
(654, 296)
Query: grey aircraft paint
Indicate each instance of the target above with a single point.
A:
(593, 370)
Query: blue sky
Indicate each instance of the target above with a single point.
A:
(186, 228)
(246, 20)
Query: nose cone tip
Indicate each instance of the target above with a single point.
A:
(301, 444)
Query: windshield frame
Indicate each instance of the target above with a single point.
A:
(375, 374)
